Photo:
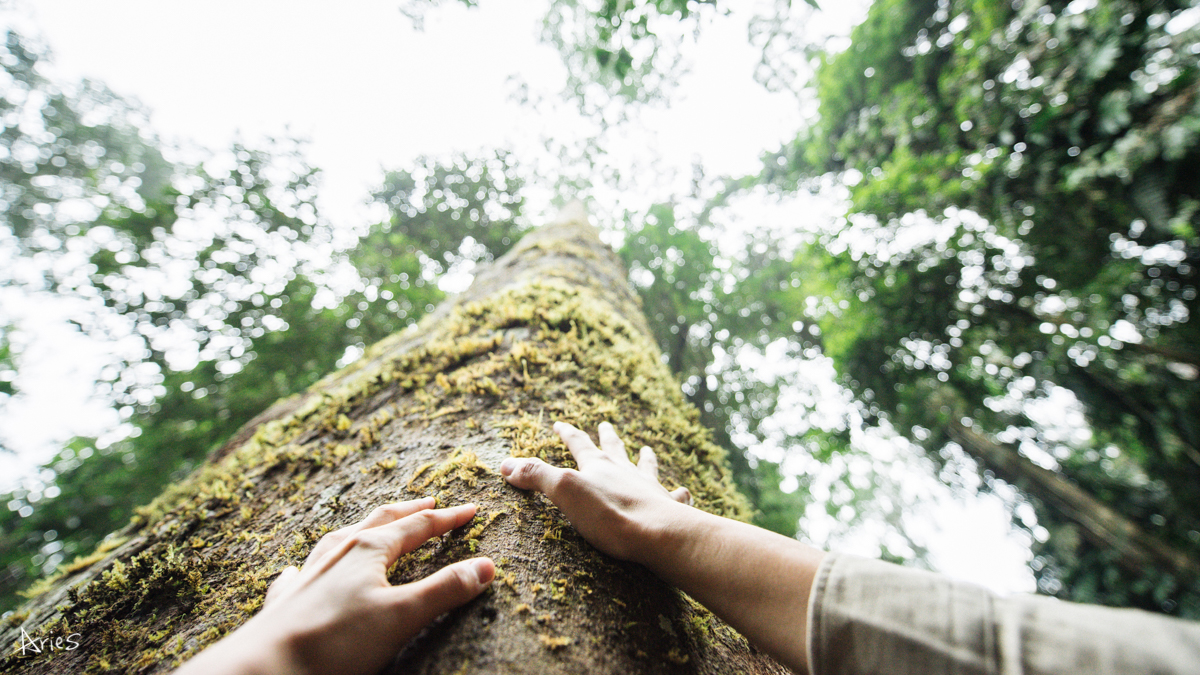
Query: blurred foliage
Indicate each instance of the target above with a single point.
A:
(630, 48)
(626, 50)
(8, 373)
(1025, 198)
(700, 308)
(619, 45)
(7, 367)
(460, 212)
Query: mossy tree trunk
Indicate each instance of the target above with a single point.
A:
(551, 331)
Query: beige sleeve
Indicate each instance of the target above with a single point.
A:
(868, 616)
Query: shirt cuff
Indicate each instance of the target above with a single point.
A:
(868, 616)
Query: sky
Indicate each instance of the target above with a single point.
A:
(370, 92)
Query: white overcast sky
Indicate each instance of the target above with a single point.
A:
(368, 91)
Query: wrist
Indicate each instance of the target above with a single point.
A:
(671, 535)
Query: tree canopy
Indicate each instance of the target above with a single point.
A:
(1023, 214)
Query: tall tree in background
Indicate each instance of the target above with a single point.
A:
(1025, 200)
(549, 331)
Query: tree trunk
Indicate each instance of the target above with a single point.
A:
(550, 331)
(1103, 526)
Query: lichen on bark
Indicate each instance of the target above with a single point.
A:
(551, 331)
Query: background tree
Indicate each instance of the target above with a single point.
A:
(1023, 194)
(552, 327)
(701, 303)
(7, 374)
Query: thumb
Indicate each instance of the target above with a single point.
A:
(531, 473)
(423, 601)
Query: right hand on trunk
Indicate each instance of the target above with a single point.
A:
(616, 505)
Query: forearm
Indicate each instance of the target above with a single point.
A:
(757, 581)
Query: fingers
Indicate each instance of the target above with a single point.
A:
(648, 463)
(531, 473)
(582, 448)
(423, 601)
(398, 537)
(386, 513)
(611, 444)
(281, 583)
(380, 515)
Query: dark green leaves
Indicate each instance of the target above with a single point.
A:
(1065, 132)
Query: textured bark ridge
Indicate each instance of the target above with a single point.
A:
(551, 331)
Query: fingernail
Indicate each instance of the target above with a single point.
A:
(508, 466)
(484, 570)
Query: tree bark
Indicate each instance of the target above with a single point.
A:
(1102, 525)
(550, 331)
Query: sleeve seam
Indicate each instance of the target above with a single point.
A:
(815, 610)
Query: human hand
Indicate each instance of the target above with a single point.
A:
(617, 506)
(339, 613)
(757, 581)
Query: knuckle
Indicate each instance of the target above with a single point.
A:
(423, 517)
(461, 581)
(528, 471)
(392, 511)
(425, 522)
(360, 540)
(567, 479)
(332, 538)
